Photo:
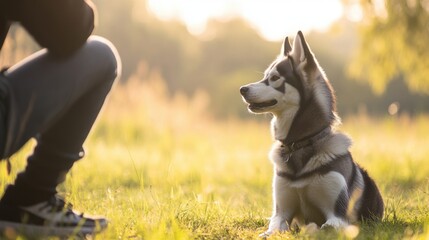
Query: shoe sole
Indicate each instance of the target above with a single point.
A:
(10, 228)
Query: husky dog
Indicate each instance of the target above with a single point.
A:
(315, 177)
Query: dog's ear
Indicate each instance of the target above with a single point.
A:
(286, 48)
(301, 51)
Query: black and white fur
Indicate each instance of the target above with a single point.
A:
(315, 177)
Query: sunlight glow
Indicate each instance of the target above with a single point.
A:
(272, 18)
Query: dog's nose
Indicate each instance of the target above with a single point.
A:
(244, 90)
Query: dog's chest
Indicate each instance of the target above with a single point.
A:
(291, 163)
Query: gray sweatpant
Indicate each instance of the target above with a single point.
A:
(56, 101)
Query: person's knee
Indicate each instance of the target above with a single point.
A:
(107, 55)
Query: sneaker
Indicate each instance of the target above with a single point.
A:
(50, 218)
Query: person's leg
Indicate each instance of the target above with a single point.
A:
(58, 100)
(3, 113)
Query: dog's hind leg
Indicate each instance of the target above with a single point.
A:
(329, 194)
(285, 206)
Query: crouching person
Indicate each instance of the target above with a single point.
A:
(53, 96)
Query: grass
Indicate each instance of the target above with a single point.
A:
(160, 167)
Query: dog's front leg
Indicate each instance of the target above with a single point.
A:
(285, 205)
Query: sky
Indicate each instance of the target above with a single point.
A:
(273, 19)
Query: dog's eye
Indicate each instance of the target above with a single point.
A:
(274, 78)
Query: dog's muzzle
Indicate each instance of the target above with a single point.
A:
(255, 106)
(244, 90)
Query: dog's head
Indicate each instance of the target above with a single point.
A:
(289, 81)
(296, 91)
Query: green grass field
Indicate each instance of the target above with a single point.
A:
(161, 168)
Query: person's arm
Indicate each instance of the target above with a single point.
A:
(61, 26)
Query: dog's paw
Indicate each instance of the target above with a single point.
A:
(277, 224)
(268, 233)
(265, 234)
(334, 223)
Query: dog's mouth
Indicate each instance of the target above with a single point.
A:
(262, 105)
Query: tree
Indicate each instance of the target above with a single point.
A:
(394, 44)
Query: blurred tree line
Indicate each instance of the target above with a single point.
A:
(395, 35)
(228, 55)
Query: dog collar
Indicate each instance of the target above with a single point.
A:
(293, 146)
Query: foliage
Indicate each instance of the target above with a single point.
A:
(160, 168)
(229, 54)
(394, 44)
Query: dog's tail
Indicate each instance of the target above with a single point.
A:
(372, 207)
